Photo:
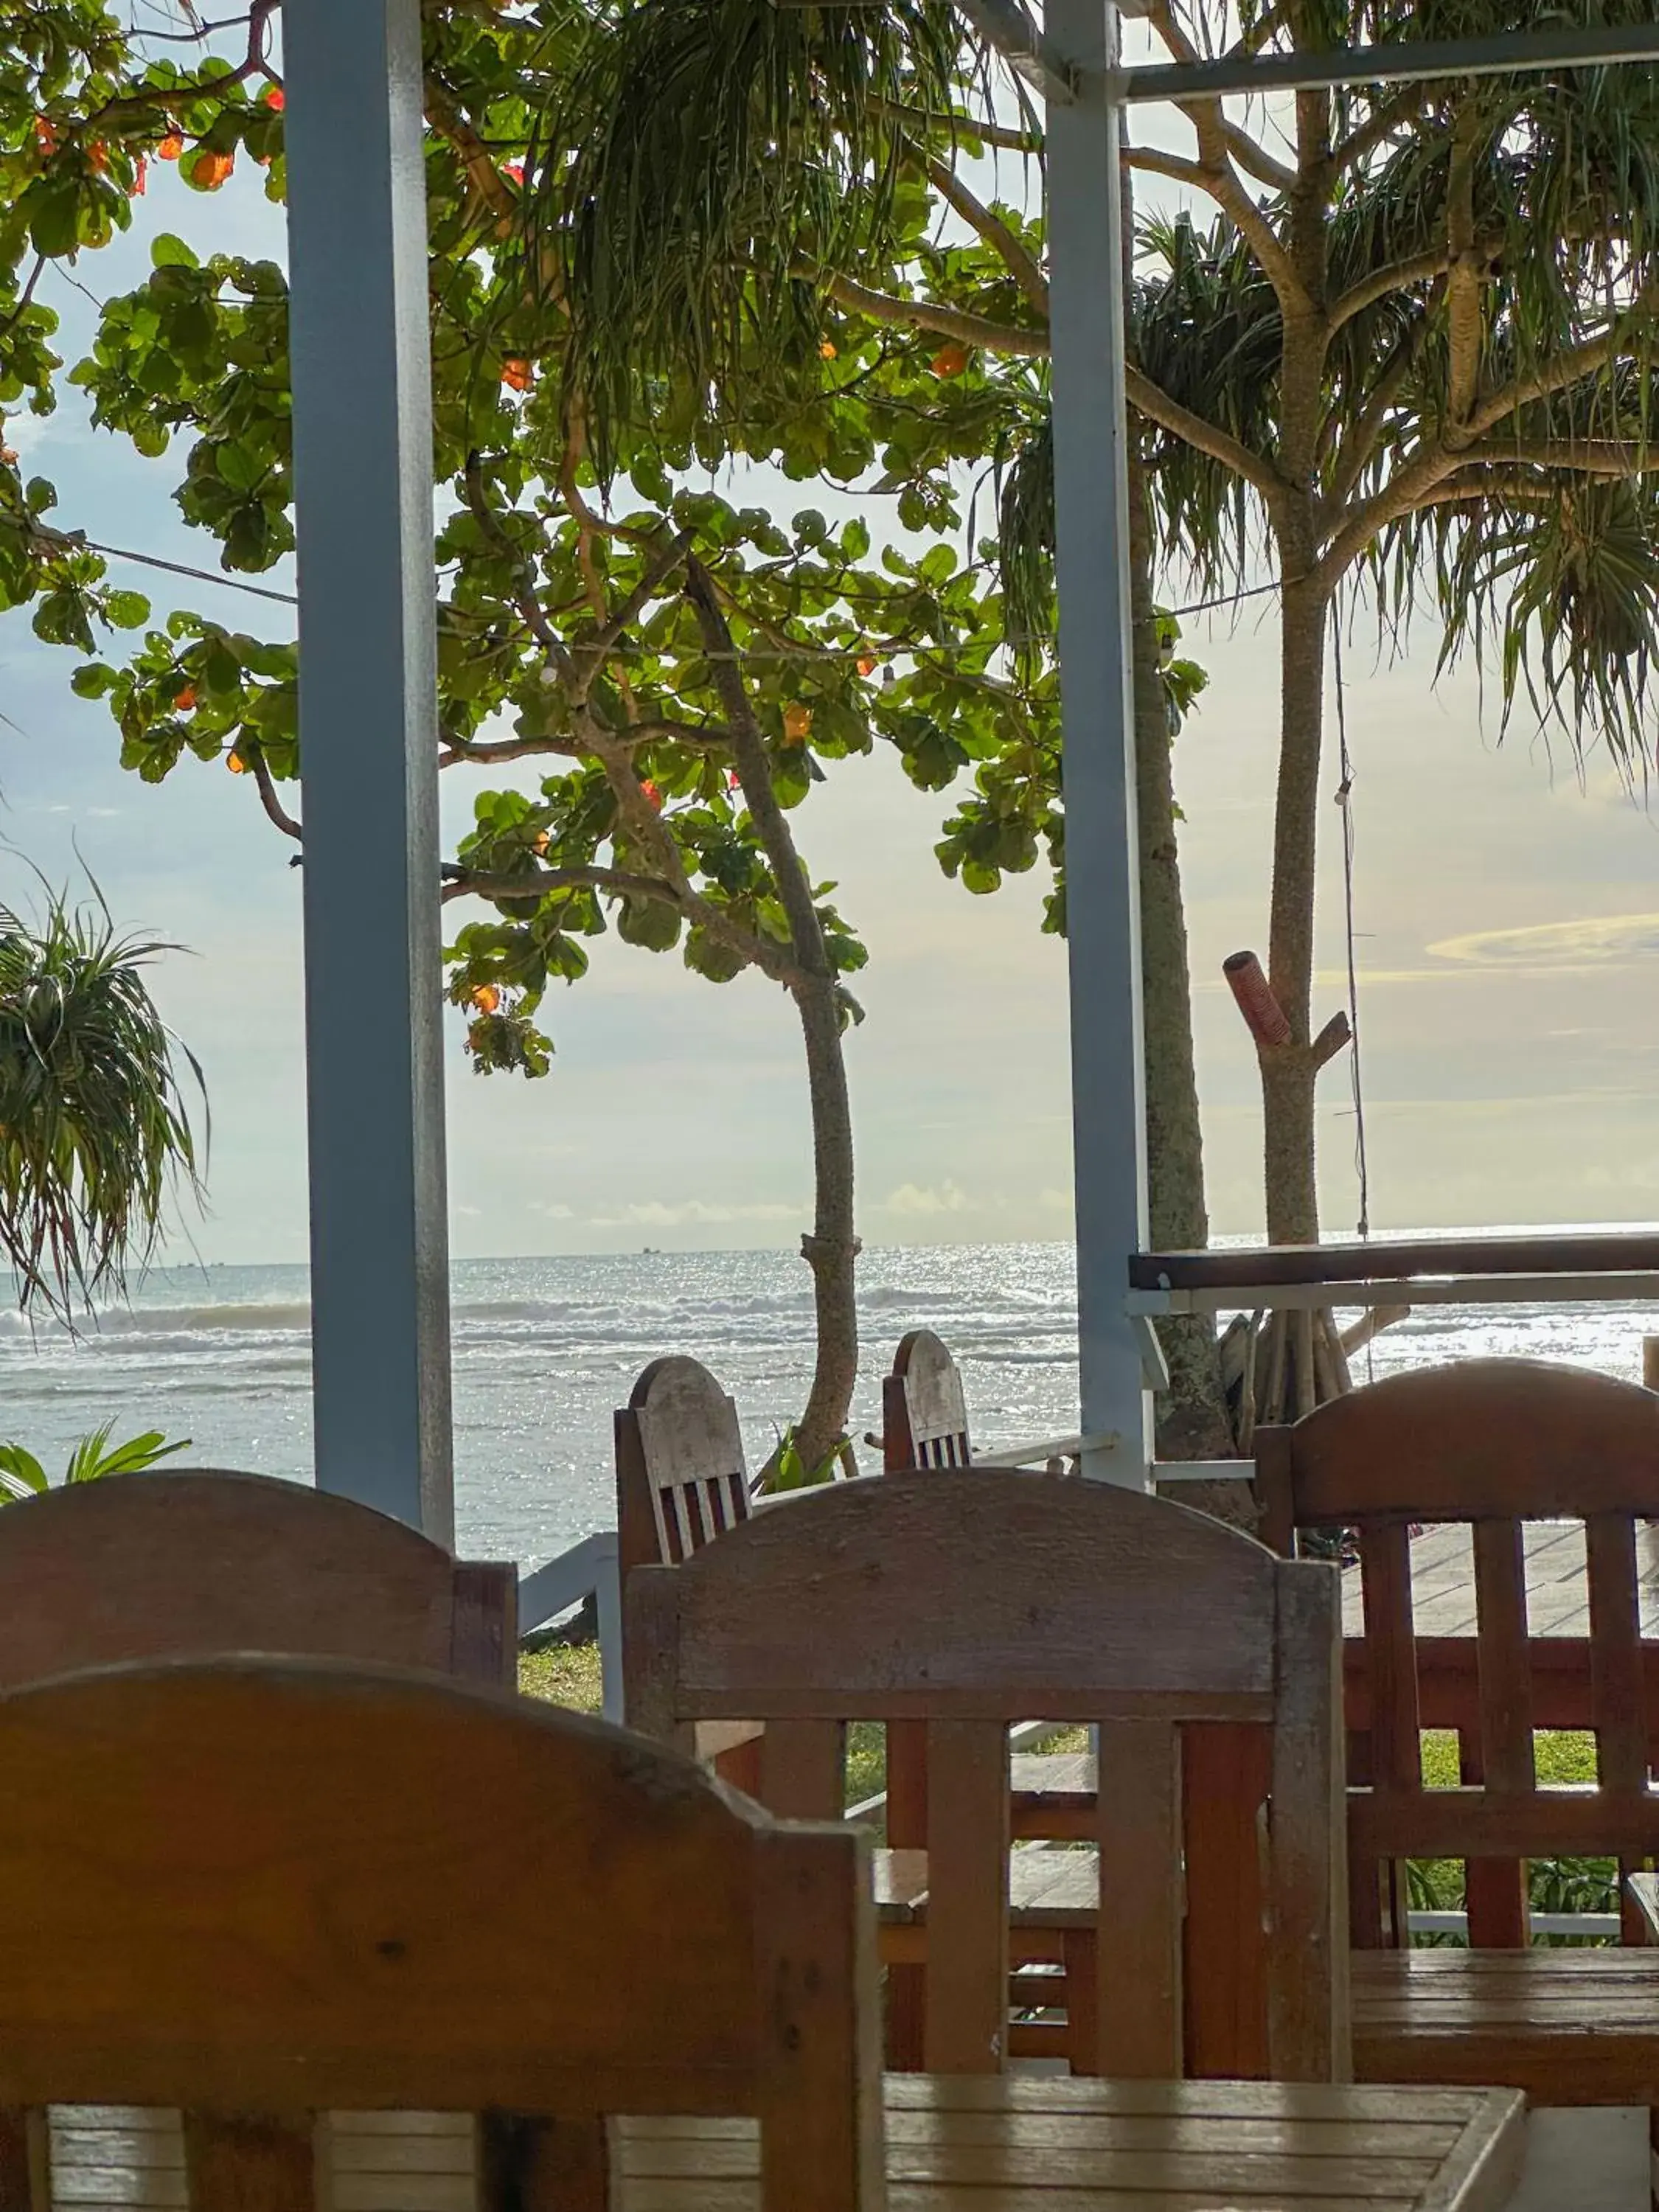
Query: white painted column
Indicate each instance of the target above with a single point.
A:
(1101, 872)
(363, 440)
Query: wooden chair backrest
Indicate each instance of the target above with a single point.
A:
(680, 1475)
(1494, 1444)
(195, 1562)
(924, 1410)
(978, 1602)
(278, 1887)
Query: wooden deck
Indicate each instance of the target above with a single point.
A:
(1558, 1596)
(953, 2145)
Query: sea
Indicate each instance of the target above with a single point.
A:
(545, 1349)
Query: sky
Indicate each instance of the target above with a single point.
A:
(1506, 917)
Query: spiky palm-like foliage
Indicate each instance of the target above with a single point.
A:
(96, 1133)
(720, 153)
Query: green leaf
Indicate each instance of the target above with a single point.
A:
(169, 252)
(126, 609)
(22, 1474)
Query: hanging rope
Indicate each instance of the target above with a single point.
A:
(1345, 800)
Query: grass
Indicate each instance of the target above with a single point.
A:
(563, 1674)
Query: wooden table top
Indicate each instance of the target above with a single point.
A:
(1023, 2143)
(1029, 2143)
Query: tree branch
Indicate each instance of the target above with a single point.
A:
(1156, 405)
(965, 126)
(948, 322)
(1576, 361)
(524, 595)
(1020, 262)
(253, 754)
(754, 772)
(1400, 276)
(590, 652)
(1587, 457)
(466, 882)
(486, 178)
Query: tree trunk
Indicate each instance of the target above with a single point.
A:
(831, 1250)
(1288, 1071)
(1193, 1421)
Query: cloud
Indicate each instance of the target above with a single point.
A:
(1600, 941)
(553, 1211)
(914, 1198)
(655, 1214)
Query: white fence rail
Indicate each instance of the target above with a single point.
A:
(587, 1570)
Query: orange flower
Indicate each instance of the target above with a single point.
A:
(98, 154)
(45, 134)
(235, 764)
(949, 361)
(867, 665)
(170, 147)
(140, 184)
(827, 350)
(733, 780)
(797, 723)
(185, 700)
(517, 373)
(211, 170)
(539, 843)
(515, 170)
(274, 98)
(487, 999)
(652, 793)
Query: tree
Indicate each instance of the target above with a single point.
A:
(732, 187)
(682, 669)
(1409, 354)
(95, 1130)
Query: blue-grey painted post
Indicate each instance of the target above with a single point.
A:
(362, 441)
(1101, 875)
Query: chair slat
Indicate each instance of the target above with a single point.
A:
(1140, 1994)
(1497, 1888)
(802, 1768)
(250, 2164)
(1615, 1652)
(968, 1844)
(1308, 2033)
(1616, 1674)
(1223, 1799)
(1385, 1569)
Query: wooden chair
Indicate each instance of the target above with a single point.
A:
(924, 1410)
(173, 1565)
(972, 1604)
(680, 1475)
(196, 1563)
(268, 1889)
(1499, 1447)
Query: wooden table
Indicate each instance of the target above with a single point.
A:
(1023, 2143)
(1049, 2144)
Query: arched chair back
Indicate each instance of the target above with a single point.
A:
(680, 1474)
(973, 1604)
(270, 1889)
(924, 1410)
(193, 1561)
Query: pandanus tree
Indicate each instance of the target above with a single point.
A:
(95, 1135)
(1408, 355)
